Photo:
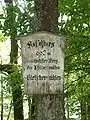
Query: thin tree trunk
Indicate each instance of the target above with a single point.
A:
(88, 108)
(9, 110)
(1, 97)
(83, 104)
(16, 86)
(48, 107)
(33, 105)
(29, 105)
(67, 107)
(83, 110)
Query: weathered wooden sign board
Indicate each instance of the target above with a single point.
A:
(43, 63)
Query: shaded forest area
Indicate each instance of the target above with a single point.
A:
(18, 18)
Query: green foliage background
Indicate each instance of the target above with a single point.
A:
(20, 21)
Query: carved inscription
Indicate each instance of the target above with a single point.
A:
(43, 63)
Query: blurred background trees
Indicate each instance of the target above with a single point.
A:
(18, 18)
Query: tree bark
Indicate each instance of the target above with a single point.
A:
(46, 15)
(1, 97)
(15, 84)
(88, 107)
(83, 110)
(29, 105)
(49, 106)
(9, 110)
(67, 107)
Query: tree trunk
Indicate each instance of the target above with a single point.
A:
(29, 105)
(48, 107)
(1, 97)
(67, 108)
(47, 15)
(83, 110)
(88, 107)
(16, 86)
(9, 110)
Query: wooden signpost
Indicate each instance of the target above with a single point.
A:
(43, 63)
